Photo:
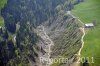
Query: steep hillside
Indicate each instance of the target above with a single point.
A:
(66, 36)
(32, 26)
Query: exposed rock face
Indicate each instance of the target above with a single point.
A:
(42, 29)
(65, 35)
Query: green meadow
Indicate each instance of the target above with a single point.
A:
(1, 21)
(2, 3)
(89, 11)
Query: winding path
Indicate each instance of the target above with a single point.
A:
(76, 63)
(82, 40)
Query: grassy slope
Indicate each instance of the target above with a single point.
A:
(87, 12)
(2, 3)
(1, 21)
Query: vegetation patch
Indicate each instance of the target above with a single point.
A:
(2, 3)
(1, 21)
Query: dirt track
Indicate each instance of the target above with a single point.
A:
(76, 63)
